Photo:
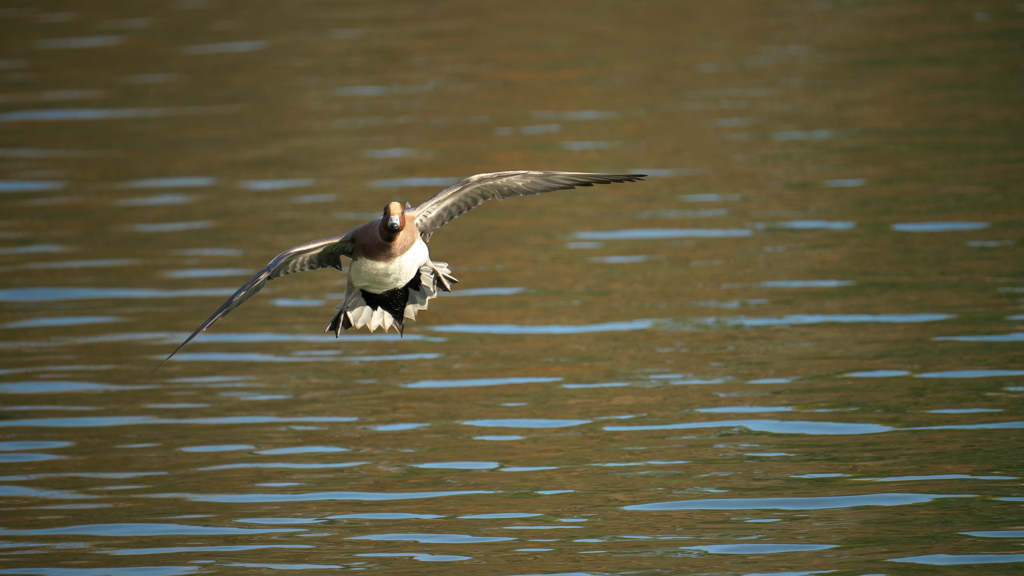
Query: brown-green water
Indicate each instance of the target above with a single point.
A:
(794, 349)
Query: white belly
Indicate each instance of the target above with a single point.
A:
(378, 277)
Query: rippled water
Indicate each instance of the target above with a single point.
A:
(794, 349)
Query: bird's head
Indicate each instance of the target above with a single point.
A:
(393, 220)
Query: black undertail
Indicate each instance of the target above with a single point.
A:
(392, 301)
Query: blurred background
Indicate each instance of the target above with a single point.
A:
(794, 349)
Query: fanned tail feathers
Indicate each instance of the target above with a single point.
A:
(361, 309)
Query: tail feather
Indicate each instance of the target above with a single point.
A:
(445, 276)
(334, 326)
(360, 310)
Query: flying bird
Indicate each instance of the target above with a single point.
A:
(391, 276)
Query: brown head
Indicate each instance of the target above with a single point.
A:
(392, 222)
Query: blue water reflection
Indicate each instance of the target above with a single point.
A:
(286, 465)
(171, 199)
(664, 233)
(495, 291)
(143, 529)
(171, 182)
(983, 426)
(816, 225)
(277, 184)
(391, 153)
(319, 496)
(526, 423)
(86, 263)
(206, 273)
(420, 556)
(961, 559)
(34, 249)
(710, 197)
(622, 259)
(745, 409)
(79, 42)
(771, 426)
(667, 172)
(545, 329)
(795, 503)
(820, 134)
(303, 450)
(477, 382)
(806, 283)
(878, 374)
(1013, 337)
(971, 374)
(576, 115)
(259, 357)
(384, 516)
(759, 548)
(412, 182)
(434, 538)
(171, 226)
(57, 387)
(15, 445)
(105, 421)
(111, 571)
(935, 477)
(589, 145)
(803, 319)
(458, 465)
(62, 321)
(30, 185)
(56, 115)
(398, 427)
(997, 534)
(939, 226)
(226, 47)
(845, 183)
(203, 549)
(217, 448)
(29, 492)
(8, 458)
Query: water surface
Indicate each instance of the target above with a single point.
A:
(794, 349)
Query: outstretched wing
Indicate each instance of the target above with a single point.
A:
(323, 253)
(475, 190)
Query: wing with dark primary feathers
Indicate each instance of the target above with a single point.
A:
(323, 253)
(475, 190)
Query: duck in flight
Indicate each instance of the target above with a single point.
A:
(391, 276)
